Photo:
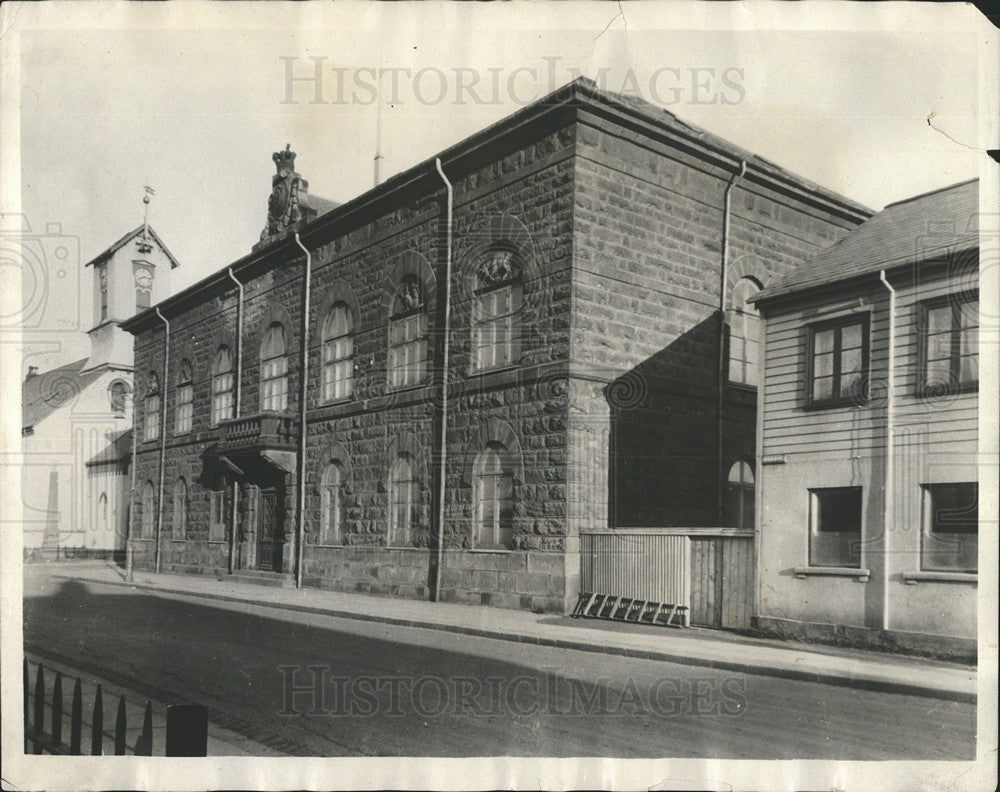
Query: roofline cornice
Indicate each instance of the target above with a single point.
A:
(460, 158)
(762, 299)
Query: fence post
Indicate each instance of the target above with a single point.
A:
(39, 725)
(187, 730)
(76, 720)
(144, 745)
(57, 698)
(27, 709)
(120, 728)
(97, 726)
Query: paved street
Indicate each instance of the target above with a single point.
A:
(308, 684)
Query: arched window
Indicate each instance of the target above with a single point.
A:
(118, 395)
(180, 509)
(744, 334)
(102, 513)
(402, 501)
(338, 353)
(222, 386)
(184, 413)
(151, 413)
(494, 498)
(332, 505)
(148, 511)
(496, 325)
(273, 370)
(408, 335)
(740, 497)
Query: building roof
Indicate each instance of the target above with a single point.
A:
(43, 394)
(105, 255)
(629, 115)
(944, 222)
(117, 451)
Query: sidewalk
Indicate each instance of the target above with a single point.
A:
(691, 646)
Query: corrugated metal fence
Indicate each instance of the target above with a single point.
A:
(709, 571)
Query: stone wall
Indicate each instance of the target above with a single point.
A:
(648, 241)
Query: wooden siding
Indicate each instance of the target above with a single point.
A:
(789, 428)
(722, 581)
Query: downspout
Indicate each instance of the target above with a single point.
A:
(723, 278)
(444, 381)
(303, 383)
(163, 434)
(236, 411)
(130, 528)
(890, 432)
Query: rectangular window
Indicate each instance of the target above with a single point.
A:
(408, 350)
(338, 368)
(950, 345)
(222, 397)
(217, 516)
(185, 409)
(274, 384)
(838, 362)
(835, 527)
(151, 419)
(102, 274)
(496, 332)
(950, 527)
(495, 511)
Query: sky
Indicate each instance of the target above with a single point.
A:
(193, 100)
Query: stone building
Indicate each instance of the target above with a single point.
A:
(540, 333)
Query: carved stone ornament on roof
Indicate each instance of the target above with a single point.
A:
(283, 204)
(498, 266)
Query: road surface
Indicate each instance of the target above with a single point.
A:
(306, 684)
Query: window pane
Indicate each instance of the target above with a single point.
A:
(850, 337)
(939, 320)
(823, 365)
(838, 510)
(850, 362)
(822, 388)
(823, 342)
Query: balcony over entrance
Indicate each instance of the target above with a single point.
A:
(263, 431)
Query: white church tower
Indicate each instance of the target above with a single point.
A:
(129, 277)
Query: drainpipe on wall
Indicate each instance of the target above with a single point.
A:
(890, 431)
(130, 527)
(444, 381)
(236, 411)
(303, 382)
(723, 277)
(163, 434)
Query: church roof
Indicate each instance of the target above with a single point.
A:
(43, 394)
(127, 238)
(118, 450)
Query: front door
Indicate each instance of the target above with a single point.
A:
(270, 531)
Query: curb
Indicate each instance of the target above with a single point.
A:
(870, 683)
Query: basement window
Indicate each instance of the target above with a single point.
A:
(835, 527)
(950, 535)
